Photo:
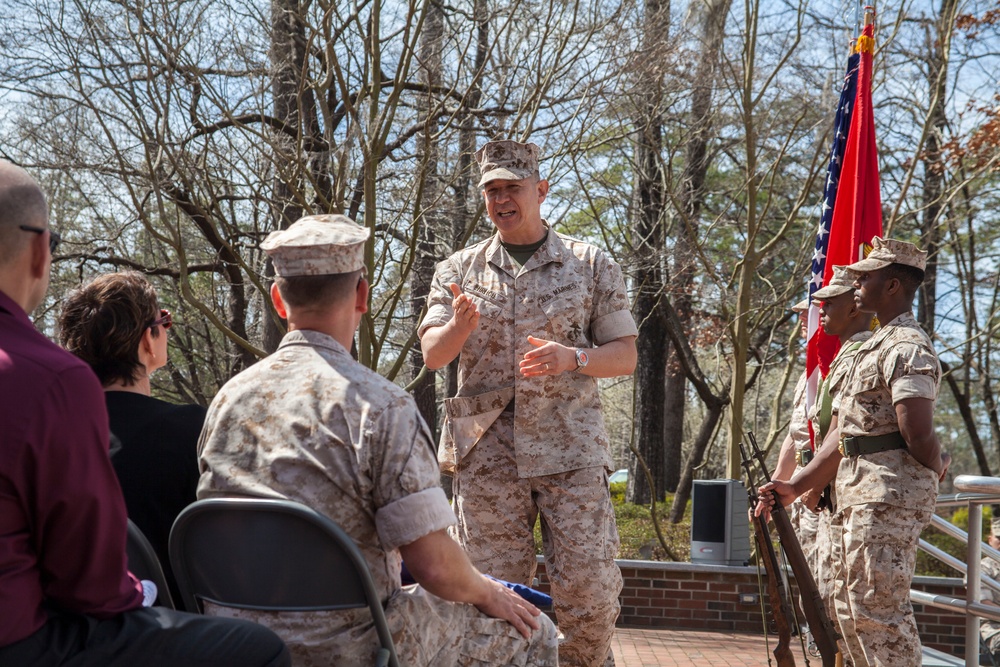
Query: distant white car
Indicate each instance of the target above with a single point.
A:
(618, 476)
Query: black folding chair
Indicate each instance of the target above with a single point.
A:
(273, 555)
(143, 563)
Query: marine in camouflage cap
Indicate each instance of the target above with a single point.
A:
(890, 251)
(507, 160)
(317, 245)
(841, 283)
(800, 307)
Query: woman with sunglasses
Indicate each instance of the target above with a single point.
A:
(114, 324)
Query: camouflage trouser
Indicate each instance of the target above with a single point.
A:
(805, 523)
(496, 512)
(426, 630)
(875, 551)
(824, 567)
(826, 570)
(991, 636)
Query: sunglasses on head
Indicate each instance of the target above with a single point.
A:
(54, 237)
(166, 320)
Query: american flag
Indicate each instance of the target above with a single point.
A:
(852, 205)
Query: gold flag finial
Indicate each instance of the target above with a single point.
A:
(866, 44)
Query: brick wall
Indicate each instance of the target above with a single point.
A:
(715, 597)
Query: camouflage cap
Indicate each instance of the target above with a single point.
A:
(506, 160)
(317, 245)
(890, 251)
(801, 306)
(842, 282)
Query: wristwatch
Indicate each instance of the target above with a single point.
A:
(582, 358)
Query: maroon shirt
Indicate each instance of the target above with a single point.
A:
(62, 517)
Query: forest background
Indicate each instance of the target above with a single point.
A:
(689, 139)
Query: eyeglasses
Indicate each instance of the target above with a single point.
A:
(166, 320)
(54, 237)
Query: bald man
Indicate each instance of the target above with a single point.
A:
(65, 592)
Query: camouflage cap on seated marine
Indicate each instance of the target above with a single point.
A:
(842, 282)
(890, 251)
(506, 160)
(317, 245)
(800, 307)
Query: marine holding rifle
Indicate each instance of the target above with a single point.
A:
(839, 316)
(887, 460)
(796, 451)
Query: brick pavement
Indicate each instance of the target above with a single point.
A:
(662, 647)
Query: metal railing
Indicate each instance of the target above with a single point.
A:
(974, 491)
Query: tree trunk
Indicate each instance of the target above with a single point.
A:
(674, 404)
(939, 44)
(713, 403)
(286, 62)
(648, 387)
(428, 213)
(965, 409)
(466, 192)
(648, 237)
(692, 197)
(694, 459)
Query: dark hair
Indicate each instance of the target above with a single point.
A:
(910, 277)
(103, 321)
(316, 292)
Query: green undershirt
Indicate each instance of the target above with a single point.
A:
(522, 253)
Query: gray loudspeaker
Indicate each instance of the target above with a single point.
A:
(720, 529)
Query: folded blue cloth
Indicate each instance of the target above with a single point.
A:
(537, 598)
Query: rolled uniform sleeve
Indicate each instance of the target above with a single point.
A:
(408, 519)
(409, 500)
(439, 299)
(912, 372)
(612, 317)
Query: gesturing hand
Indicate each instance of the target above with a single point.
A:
(548, 358)
(466, 315)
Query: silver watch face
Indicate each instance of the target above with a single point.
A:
(581, 358)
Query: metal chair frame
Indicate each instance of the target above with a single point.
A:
(272, 555)
(144, 563)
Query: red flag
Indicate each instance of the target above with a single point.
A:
(857, 210)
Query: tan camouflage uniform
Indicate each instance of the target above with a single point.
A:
(884, 499)
(990, 630)
(552, 458)
(804, 520)
(825, 568)
(312, 425)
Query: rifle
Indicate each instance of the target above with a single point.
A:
(822, 629)
(775, 584)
